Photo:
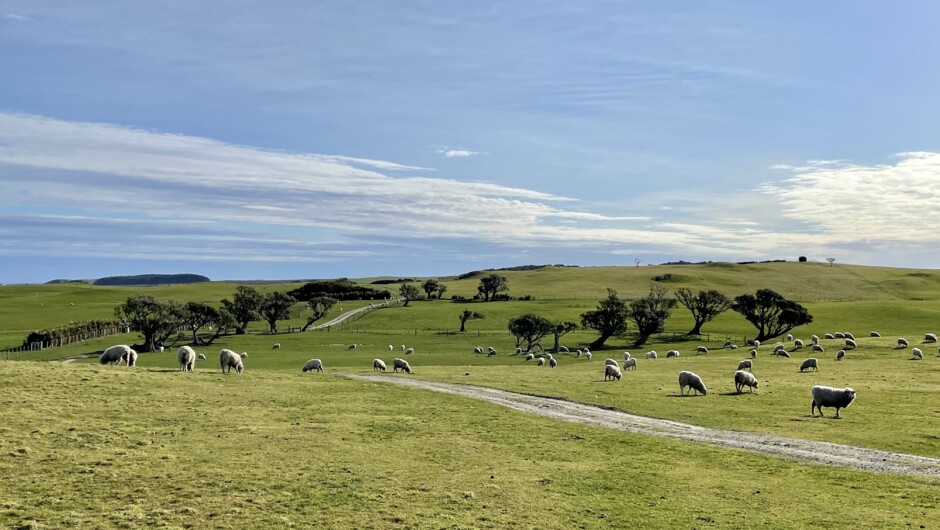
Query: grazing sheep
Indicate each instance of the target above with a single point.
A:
(727, 344)
(875, 334)
(828, 336)
(378, 365)
(694, 382)
(588, 356)
(490, 349)
(756, 343)
(409, 351)
(540, 361)
(115, 354)
(577, 354)
(782, 353)
(401, 364)
(849, 335)
(734, 346)
(840, 354)
(317, 364)
(563, 348)
(815, 339)
(612, 372)
(918, 355)
(277, 345)
(201, 357)
(552, 363)
(243, 354)
(672, 353)
(491, 354)
(798, 343)
(930, 337)
(131, 358)
(187, 359)
(549, 356)
(789, 337)
(849, 343)
(902, 343)
(744, 379)
(817, 347)
(391, 348)
(629, 363)
(352, 346)
(826, 396)
(652, 354)
(809, 363)
(529, 357)
(402, 347)
(746, 364)
(229, 359)
(161, 348)
(838, 335)
(701, 349)
(626, 356)
(610, 361)
(478, 349)
(518, 351)
(753, 354)
(779, 347)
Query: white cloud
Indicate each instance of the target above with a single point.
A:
(459, 153)
(14, 16)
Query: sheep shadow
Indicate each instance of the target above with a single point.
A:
(683, 395)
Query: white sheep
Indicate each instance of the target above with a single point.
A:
(378, 365)
(838, 335)
(229, 359)
(392, 348)
(782, 353)
(902, 343)
(798, 343)
(612, 372)
(753, 353)
(187, 358)
(693, 381)
(314, 364)
(610, 361)
(478, 349)
(629, 363)
(201, 357)
(115, 354)
(701, 349)
(552, 363)
(277, 345)
(549, 356)
(672, 353)
(651, 354)
(131, 359)
(243, 354)
(789, 337)
(815, 339)
(577, 354)
(402, 347)
(746, 364)
(875, 334)
(756, 343)
(490, 349)
(840, 355)
(588, 356)
(160, 348)
(409, 351)
(828, 336)
(491, 354)
(626, 355)
(352, 346)
(930, 337)
(849, 343)
(727, 344)
(518, 351)
(809, 363)
(779, 347)
(401, 364)
(918, 355)
(563, 348)
(817, 347)
(744, 379)
(826, 396)
(540, 361)
(849, 335)
(529, 357)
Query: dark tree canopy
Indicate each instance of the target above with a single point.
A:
(430, 287)
(491, 284)
(341, 289)
(529, 329)
(650, 313)
(559, 330)
(196, 315)
(408, 291)
(705, 306)
(610, 318)
(771, 313)
(319, 307)
(243, 307)
(441, 289)
(468, 315)
(154, 320)
(276, 306)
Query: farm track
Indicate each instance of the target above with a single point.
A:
(825, 453)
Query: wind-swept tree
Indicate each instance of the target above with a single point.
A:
(408, 291)
(430, 287)
(196, 315)
(705, 306)
(609, 319)
(771, 313)
(650, 313)
(319, 307)
(244, 307)
(491, 284)
(559, 330)
(468, 315)
(223, 324)
(441, 289)
(529, 329)
(276, 306)
(154, 320)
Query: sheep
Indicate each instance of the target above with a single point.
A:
(753, 353)
(840, 354)
(490, 349)
(809, 363)
(277, 345)
(849, 335)
(577, 354)
(815, 339)
(563, 348)
(540, 361)
(734, 346)
(626, 356)
(838, 335)
(826, 396)
(652, 354)
(727, 344)
(552, 363)
(875, 334)
(243, 354)
(789, 337)
(782, 353)
(409, 351)
(828, 336)
(779, 347)
(918, 355)
(756, 343)
(610, 361)
(588, 356)
(744, 379)
(378, 365)
(849, 343)
(315, 364)
(549, 356)
(402, 347)
(392, 348)
(115, 354)
(352, 346)
(529, 357)
(612, 372)
(930, 337)
(161, 348)
(629, 363)
(518, 351)
(701, 349)
(691, 380)
(478, 349)
(798, 343)
(746, 364)
(902, 343)
(131, 358)
(401, 364)
(491, 354)
(229, 359)
(187, 358)
(672, 353)
(817, 347)
(201, 357)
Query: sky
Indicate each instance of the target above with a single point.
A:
(295, 139)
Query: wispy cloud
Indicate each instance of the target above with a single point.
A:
(14, 16)
(459, 153)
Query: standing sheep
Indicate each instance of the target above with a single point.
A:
(552, 363)
(491, 354)
(672, 353)
(401, 364)
(744, 379)
(392, 348)
(701, 349)
(131, 358)
(815, 339)
(409, 351)
(930, 337)
(629, 363)
(918, 355)
(587, 356)
(540, 361)
(478, 349)
(378, 365)
(611, 372)
(229, 359)
(826, 396)
(652, 354)
(693, 381)
(746, 364)
(840, 355)
(626, 355)
(529, 357)
(187, 359)
(518, 351)
(577, 354)
(315, 364)
(809, 363)
(115, 354)
(491, 349)
(753, 353)
(849, 343)
(789, 337)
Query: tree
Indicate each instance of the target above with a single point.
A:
(468, 315)
(408, 291)
(609, 319)
(831, 261)
(492, 284)
(223, 323)
(319, 307)
(638, 261)
(559, 330)
(705, 306)
(276, 306)
(244, 307)
(650, 313)
(441, 289)
(430, 287)
(196, 315)
(154, 320)
(772, 314)
(529, 329)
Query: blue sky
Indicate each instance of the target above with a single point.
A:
(247, 140)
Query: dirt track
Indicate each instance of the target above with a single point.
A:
(809, 450)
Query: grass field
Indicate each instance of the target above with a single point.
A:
(424, 460)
